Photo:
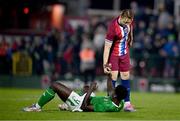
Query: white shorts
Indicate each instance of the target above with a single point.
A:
(75, 101)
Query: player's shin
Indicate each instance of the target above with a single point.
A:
(114, 75)
(47, 96)
(114, 83)
(126, 83)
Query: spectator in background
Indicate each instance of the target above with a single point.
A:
(87, 57)
(5, 56)
(53, 38)
(77, 40)
(156, 63)
(164, 17)
(63, 43)
(99, 37)
(170, 51)
(48, 59)
(98, 42)
(38, 55)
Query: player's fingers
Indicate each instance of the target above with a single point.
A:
(108, 68)
(110, 65)
(106, 71)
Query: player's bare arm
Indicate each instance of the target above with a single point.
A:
(85, 105)
(107, 47)
(130, 40)
(110, 88)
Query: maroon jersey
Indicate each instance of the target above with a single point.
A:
(118, 35)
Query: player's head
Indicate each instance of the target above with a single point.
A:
(121, 92)
(126, 16)
(85, 88)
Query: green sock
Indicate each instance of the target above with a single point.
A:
(47, 96)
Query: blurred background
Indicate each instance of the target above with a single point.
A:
(46, 40)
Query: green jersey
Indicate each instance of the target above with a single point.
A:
(105, 104)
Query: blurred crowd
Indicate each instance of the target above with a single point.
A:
(156, 49)
(155, 52)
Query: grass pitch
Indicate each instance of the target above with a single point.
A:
(150, 106)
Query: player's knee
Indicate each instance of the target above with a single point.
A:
(114, 77)
(54, 85)
(125, 75)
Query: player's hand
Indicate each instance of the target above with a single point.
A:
(107, 68)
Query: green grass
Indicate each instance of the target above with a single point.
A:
(150, 106)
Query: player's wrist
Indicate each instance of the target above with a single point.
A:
(105, 64)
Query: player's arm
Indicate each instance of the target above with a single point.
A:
(85, 105)
(108, 43)
(88, 108)
(110, 88)
(130, 42)
(107, 48)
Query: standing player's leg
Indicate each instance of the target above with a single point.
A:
(124, 68)
(114, 61)
(126, 83)
(62, 91)
(114, 76)
(125, 80)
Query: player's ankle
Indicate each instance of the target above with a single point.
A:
(38, 106)
(127, 103)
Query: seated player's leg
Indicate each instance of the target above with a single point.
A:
(62, 91)
(85, 89)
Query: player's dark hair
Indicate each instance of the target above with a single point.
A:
(121, 92)
(127, 13)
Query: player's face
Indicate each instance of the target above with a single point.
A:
(125, 21)
(85, 89)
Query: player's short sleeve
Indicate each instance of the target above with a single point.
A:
(110, 33)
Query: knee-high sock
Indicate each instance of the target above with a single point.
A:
(126, 83)
(47, 96)
(114, 83)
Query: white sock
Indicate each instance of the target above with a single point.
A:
(37, 106)
(127, 103)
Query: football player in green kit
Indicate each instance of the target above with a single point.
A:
(112, 103)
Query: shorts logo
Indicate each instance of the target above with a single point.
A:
(74, 101)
